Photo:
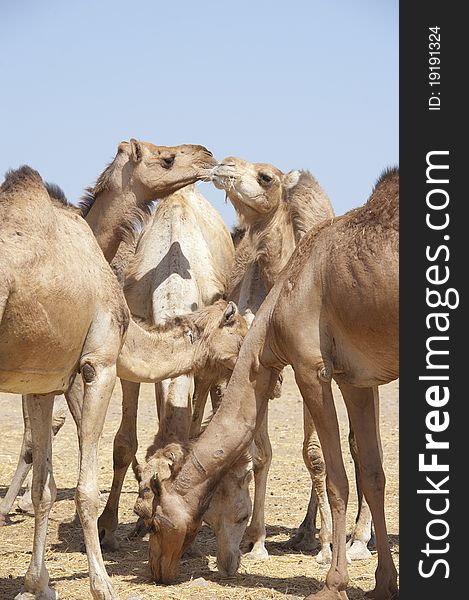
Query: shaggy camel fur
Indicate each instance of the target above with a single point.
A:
(180, 264)
(333, 313)
(275, 210)
(139, 173)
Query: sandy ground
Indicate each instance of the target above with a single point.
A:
(286, 574)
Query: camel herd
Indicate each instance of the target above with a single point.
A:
(166, 295)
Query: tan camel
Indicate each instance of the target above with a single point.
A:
(230, 506)
(180, 264)
(333, 313)
(275, 211)
(120, 199)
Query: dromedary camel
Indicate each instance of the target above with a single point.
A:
(275, 210)
(180, 264)
(120, 199)
(333, 313)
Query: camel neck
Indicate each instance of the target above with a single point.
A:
(151, 356)
(108, 218)
(240, 414)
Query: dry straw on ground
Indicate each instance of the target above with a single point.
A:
(287, 574)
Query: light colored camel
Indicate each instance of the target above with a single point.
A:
(120, 199)
(333, 313)
(180, 264)
(275, 210)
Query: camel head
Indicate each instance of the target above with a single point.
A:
(228, 514)
(221, 329)
(165, 513)
(254, 189)
(159, 171)
(173, 524)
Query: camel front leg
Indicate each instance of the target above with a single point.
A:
(362, 408)
(98, 389)
(255, 533)
(39, 409)
(202, 385)
(125, 448)
(317, 394)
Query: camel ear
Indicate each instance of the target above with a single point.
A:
(175, 455)
(290, 180)
(155, 485)
(137, 469)
(230, 313)
(136, 151)
(246, 480)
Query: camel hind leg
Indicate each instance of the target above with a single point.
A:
(125, 448)
(317, 394)
(39, 409)
(362, 408)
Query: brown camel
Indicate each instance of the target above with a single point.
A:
(275, 211)
(120, 199)
(333, 313)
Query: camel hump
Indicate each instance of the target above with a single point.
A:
(24, 177)
(388, 175)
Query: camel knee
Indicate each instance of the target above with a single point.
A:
(87, 503)
(43, 496)
(314, 460)
(373, 479)
(338, 494)
(124, 451)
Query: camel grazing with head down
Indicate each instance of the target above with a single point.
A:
(120, 199)
(276, 210)
(333, 313)
(52, 265)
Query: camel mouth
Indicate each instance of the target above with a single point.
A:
(223, 177)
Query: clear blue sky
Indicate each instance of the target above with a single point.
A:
(298, 83)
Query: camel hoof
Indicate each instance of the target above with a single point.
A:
(391, 593)
(304, 540)
(25, 504)
(46, 594)
(193, 552)
(324, 556)
(358, 551)
(4, 520)
(108, 541)
(259, 553)
(326, 594)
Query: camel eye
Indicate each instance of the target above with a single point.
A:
(265, 178)
(242, 520)
(167, 161)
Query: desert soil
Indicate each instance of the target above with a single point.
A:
(286, 574)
